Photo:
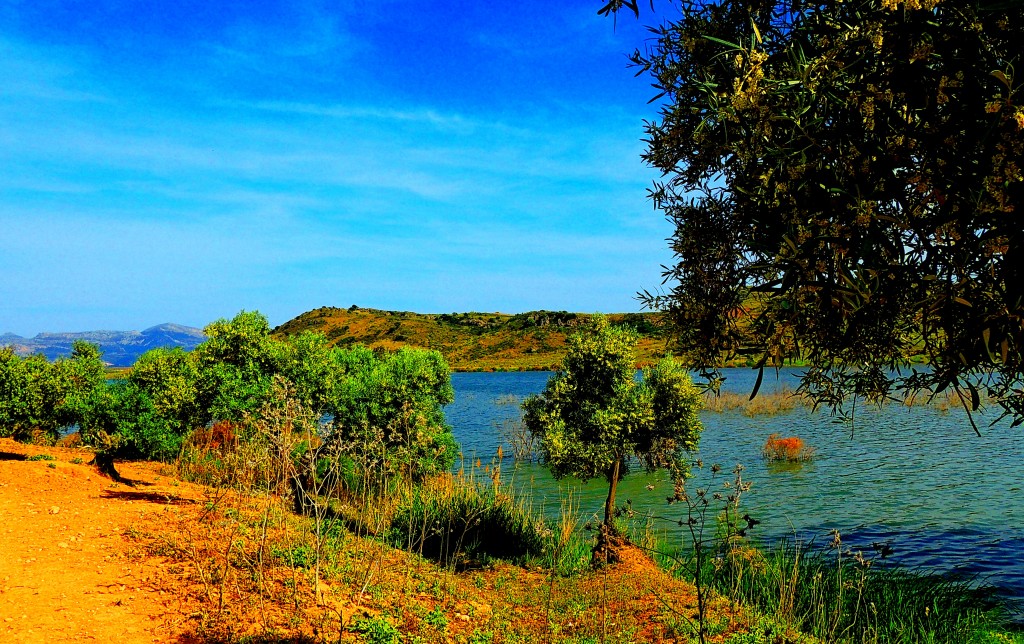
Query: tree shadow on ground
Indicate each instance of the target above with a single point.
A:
(252, 639)
(148, 497)
(11, 456)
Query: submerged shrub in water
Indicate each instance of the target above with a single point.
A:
(789, 450)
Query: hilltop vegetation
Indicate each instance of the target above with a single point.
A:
(474, 341)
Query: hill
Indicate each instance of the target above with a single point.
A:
(120, 348)
(472, 341)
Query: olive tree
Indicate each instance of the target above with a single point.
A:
(396, 400)
(170, 392)
(20, 394)
(121, 421)
(596, 419)
(171, 379)
(236, 365)
(39, 396)
(845, 180)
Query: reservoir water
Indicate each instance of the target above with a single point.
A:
(915, 478)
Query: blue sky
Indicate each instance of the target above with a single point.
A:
(179, 162)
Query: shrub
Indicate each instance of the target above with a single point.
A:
(261, 452)
(788, 450)
(595, 419)
(122, 421)
(220, 437)
(398, 398)
(453, 520)
(377, 631)
(39, 399)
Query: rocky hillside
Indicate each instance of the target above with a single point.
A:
(471, 341)
(120, 348)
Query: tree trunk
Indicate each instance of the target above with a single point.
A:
(302, 503)
(104, 462)
(606, 550)
(609, 504)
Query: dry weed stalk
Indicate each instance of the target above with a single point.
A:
(764, 404)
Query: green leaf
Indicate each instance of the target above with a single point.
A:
(722, 42)
(1002, 78)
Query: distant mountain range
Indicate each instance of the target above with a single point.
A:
(120, 348)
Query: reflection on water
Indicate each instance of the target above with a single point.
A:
(914, 477)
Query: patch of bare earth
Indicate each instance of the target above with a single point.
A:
(67, 572)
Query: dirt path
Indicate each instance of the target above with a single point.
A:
(67, 572)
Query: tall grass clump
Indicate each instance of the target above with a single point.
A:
(458, 521)
(763, 404)
(569, 548)
(837, 595)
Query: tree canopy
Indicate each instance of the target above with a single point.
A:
(843, 178)
(235, 375)
(37, 396)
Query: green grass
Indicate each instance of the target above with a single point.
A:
(846, 599)
(377, 630)
(466, 523)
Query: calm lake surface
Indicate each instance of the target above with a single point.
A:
(915, 478)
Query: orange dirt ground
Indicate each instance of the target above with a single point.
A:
(77, 563)
(67, 573)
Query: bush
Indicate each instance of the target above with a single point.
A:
(377, 631)
(262, 452)
(121, 420)
(789, 450)
(453, 520)
(397, 398)
(39, 399)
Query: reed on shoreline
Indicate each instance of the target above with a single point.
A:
(786, 400)
(839, 595)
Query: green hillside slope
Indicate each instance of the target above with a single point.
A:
(472, 341)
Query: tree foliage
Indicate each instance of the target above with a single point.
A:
(595, 419)
(20, 396)
(39, 396)
(171, 379)
(399, 397)
(123, 421)
(843, 178)
(237, 374)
